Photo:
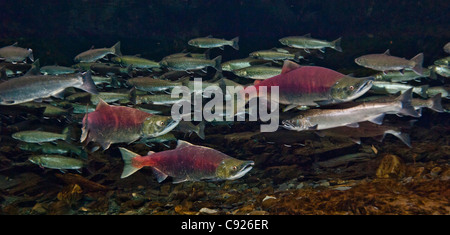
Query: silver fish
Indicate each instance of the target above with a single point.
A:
(401, 76)
(30, 87)
(36, 136)
(191, 63)
(319, 119)
(57, 162)
(386, 62)
(57, 70)
(259, 72)
(306, 42)
(241, 63)
(210, 42)
(275, 55)
(14, 53)
(96, 54)
(381, 87)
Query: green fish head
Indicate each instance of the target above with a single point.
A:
(284, 41)
(240, 72)
(350, 88)
(193, 42)
(35, 159)
(232, 168)
(226, 67)
(157, 125)
(116, 59)
(443, 61)
(164, 64)
(254, 54)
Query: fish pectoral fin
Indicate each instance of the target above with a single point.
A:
(353, 125)
(105, 144)
(313, 127)
(179, 180)
(377, 119)
(322, 102)
(289, 107)
(160, 176)
(356, 140)
(59, 95)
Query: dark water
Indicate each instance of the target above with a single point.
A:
(288, 177)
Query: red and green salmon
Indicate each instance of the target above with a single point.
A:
(110, 124)
(187, 162)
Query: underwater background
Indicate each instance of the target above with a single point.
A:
(294, 172)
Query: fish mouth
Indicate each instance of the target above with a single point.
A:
(365, 87)
(172, 124)
(246, 167)
(287, 124)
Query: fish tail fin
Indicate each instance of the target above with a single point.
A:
(130, 70)
(404, 137)
(298, 56)
(235, 43)
(133, 95)
(184, 81)
(436, 103)
(418, 61)
(217, 63)
(66, 133)
(407, 108)
(336, 44)
(88, 84)
(116, 49)
(114, 82)
(129, 168)
(423, 91)
(201, 130)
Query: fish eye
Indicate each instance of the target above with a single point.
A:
(234, 168)
(351, 88)
(160, 123)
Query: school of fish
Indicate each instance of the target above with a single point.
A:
(114, 100)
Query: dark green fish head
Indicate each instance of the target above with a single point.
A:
(164, 64)
(36, 160)
(350, 88)
(193, 42)
(157, 125)
(254, 54)
(117, 59)
(232, 168)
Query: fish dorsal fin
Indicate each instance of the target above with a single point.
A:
(308, 35)
(92, 47)
(101, 104)
(182, 143)
(387, 52)
(209, 36)
(289, 66)
(15, 44)
(35, 69)
(150, 153)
